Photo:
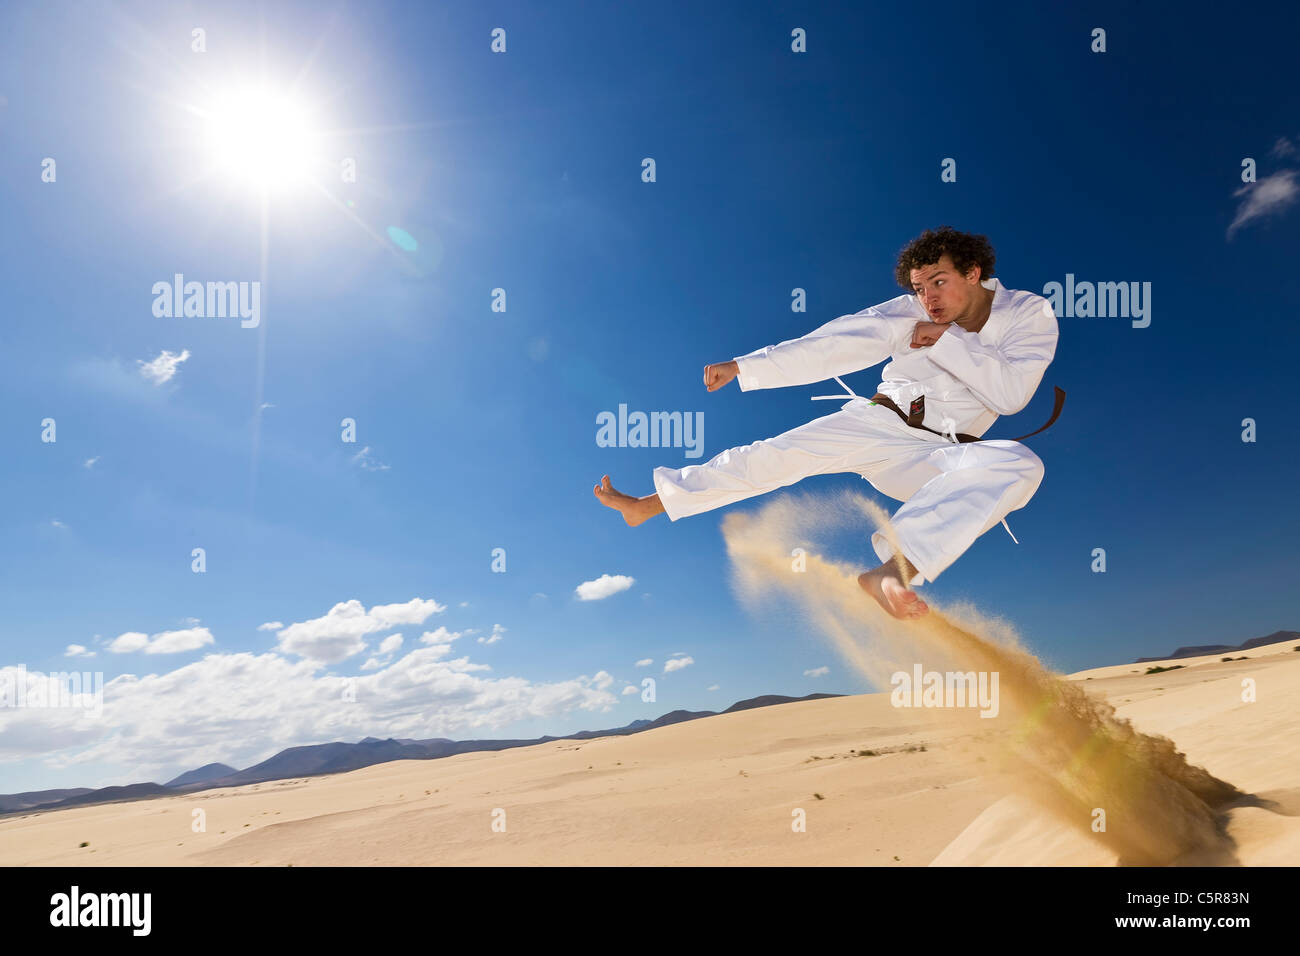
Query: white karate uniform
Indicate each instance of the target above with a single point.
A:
(953, 492)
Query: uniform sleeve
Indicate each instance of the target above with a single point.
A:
(1004, 377)
(847, 344)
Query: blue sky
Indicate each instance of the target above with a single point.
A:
(522, 171)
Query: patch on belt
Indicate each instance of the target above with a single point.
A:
(916, 412)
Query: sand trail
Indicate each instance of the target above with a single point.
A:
(1066, 751)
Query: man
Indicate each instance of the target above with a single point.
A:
(964, 349)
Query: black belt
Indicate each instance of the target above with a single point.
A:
(916, 414)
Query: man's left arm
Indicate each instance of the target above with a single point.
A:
(1004, 377)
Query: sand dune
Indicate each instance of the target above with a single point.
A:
(715, 791)
(1185, 770)
(1253, 746)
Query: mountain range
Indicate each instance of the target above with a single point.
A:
(341, 757)
(1201, 650)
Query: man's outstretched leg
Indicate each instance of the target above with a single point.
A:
(887, 586)
(634, 510)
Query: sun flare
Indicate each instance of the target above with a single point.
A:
(262, 137)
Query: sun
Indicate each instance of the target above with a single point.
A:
(262, 137)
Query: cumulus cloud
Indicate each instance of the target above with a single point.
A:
(164, 642)
(497, 632)
(387, 647)
(603, 587)
(677, 663)
(440, 636)
(367, 461)
(162, 368)
(630, 689)
(241, 708)
(645, 662)
(270, 626)
(78, 650)
(340, 633)
(1268, 197)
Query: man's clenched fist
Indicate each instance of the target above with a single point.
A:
(716, 376)
(927, 333)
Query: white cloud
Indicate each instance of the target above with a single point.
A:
(712, 687)
(90, 462)
(339, 633)
(1268, 197)
(164, 642)
(387, 647)
(162, 368)
(817, 672)
(129, 642)
(368, 463)
(630, 689)
(56, 523)
(677, 663)
(440, 636)
(497, 632)
(603, 587)
(242, 708)
(78, 650)
(176, 642)
(270, 626)
(645, 662)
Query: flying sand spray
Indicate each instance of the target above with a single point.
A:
(1061, 747)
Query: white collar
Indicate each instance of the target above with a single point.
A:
(1000, 297)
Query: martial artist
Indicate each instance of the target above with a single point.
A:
(964, 349)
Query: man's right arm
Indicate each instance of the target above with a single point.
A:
(847, 344)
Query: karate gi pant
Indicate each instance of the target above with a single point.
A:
(952, 493)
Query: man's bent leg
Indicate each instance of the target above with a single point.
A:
(973, 486)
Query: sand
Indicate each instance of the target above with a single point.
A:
(1185, 771)
(716, 791)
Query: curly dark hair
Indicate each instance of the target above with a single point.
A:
(966, 249)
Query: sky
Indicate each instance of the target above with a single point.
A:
(465, 261)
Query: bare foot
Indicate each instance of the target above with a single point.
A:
(884, 584)
(634, 510)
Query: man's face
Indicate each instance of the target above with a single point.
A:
(943, 292)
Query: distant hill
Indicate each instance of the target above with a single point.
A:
(10, 802)
(205, 773)
(134, 791)
(1201, 650)
(339, 757)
